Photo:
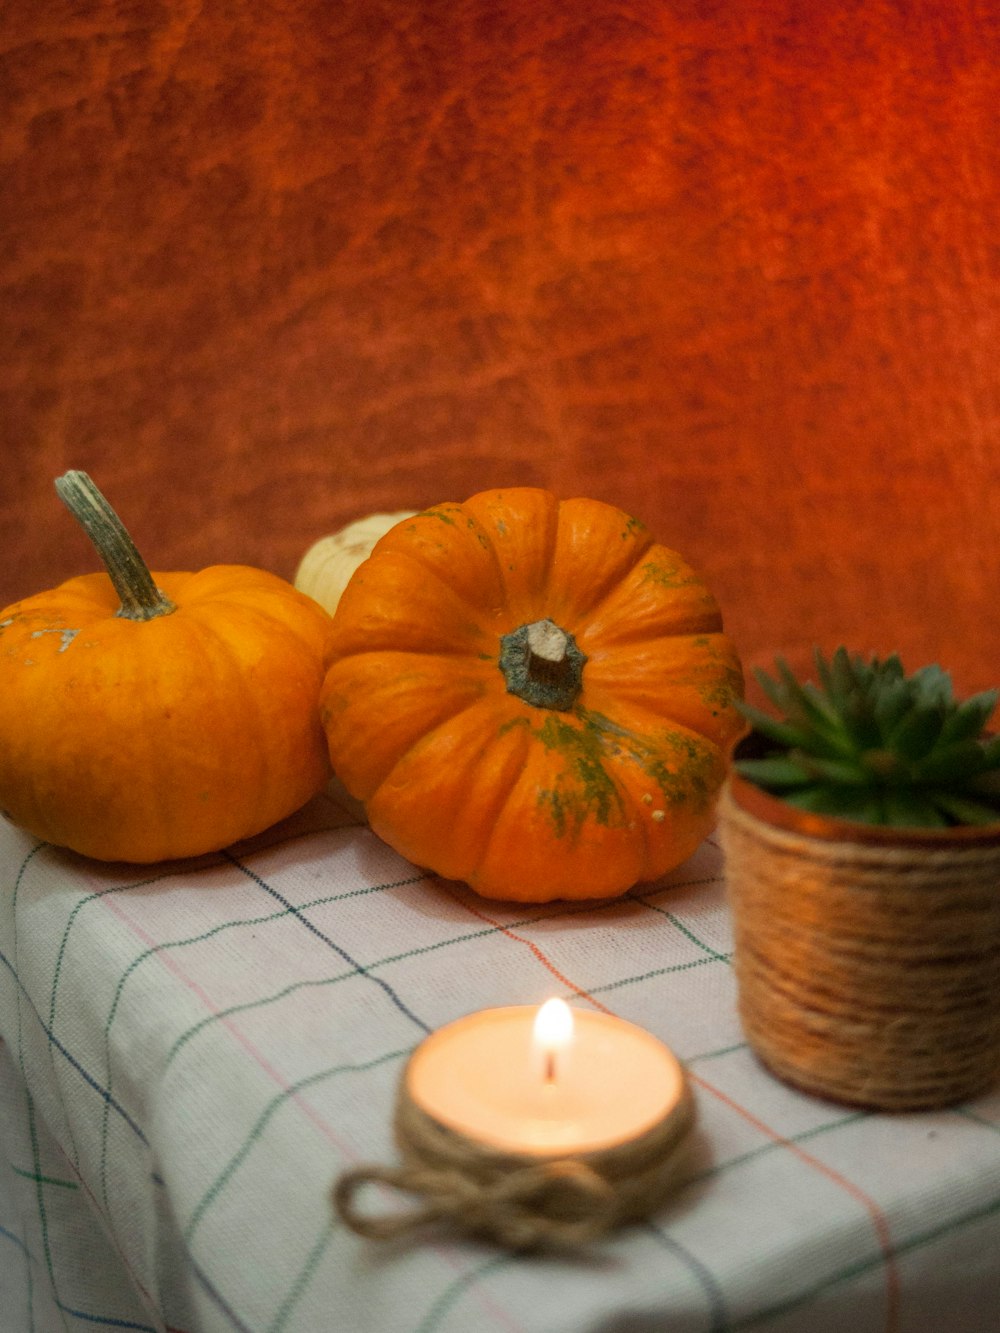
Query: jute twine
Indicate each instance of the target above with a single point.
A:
(867, 973)
(520, 1200)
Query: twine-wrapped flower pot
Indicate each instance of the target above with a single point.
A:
(867, 958)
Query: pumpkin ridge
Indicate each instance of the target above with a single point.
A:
(707, 622)
(551, 536)
(615, 576)
(267, 614)
(223, 631)
(476, 681)
(600, 694)
(489, 546)
(464, 526)
(704, 622)
(597, 702)
(514, 764)
(510, 793)
(378, 606)
(203, 638)
(517, 762)
(512, 596)
(426, 739)
(428, 569)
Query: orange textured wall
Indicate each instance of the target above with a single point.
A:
(730, 266)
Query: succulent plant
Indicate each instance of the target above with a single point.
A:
(871, 744)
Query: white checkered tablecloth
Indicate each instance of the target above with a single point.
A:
(191, 1053)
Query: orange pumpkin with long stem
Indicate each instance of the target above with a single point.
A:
(532, 696)
(146, 717)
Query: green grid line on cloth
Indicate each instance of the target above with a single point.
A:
(323, 1248)
(107, 1103)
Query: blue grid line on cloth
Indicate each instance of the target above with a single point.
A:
(879, 1220)
(537, 913)
(309, 925)
(68, 1055)
(9, 1235)
(495, 926)
(912, 1242)
(293, 987)
(210, 1287)
(211, 1193)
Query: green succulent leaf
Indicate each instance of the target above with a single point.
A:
(965, 810)
(844, 803)
(796, 701)
(951, 763)
(969, 717)
(776, 773)
(889, 706)
(824, 672)
(841, 678)
(869, 743)
(783, 732)
(832, 770)
(913, 737)
(861, 723)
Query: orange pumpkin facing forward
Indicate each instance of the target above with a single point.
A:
(531, 696)
(146, 717)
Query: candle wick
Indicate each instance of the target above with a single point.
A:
(550, 1066)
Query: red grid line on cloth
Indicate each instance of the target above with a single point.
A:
(880, 1223)
(347, 1153)
(172, 966)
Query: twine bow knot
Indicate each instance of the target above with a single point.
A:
(521, 1202)
(556, 1202)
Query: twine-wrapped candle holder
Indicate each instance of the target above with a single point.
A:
(867, 959)
(563, 1198)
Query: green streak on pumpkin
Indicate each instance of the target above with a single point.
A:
(436, 513)
(586, 790)
(668, 576)
(684, 768)
(723, 694)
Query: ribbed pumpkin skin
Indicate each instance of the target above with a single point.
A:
(142, 741)
(519, 801)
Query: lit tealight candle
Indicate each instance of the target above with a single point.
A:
(560, 1123)
(546, 1080)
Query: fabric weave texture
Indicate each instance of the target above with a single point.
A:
(191, 1053)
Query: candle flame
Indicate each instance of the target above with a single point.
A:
(553, 1033)
(554, 1024)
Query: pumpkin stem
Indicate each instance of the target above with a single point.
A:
(140, 597)
(542, 665)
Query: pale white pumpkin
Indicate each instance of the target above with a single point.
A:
(326, 568)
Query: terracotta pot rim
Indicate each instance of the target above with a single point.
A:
(829, 828)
